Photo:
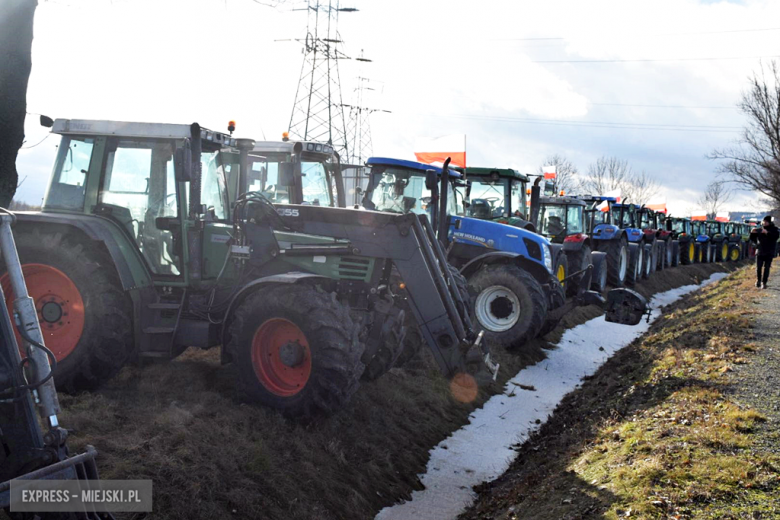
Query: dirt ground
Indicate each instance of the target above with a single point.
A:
(181, 425)
(683, 423)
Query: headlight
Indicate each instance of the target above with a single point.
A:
(547, 258)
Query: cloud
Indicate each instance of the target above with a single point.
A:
(435, 65)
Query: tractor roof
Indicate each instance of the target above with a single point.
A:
(288, 147)
(133, 129)
(407, 165)
(501, 172)
(596, 198)
(560, 201)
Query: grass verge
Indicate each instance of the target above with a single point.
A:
(663, 437)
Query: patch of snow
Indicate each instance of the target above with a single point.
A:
(482, 450)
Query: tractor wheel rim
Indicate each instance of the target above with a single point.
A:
(691, 251)
(561, 274)
(497, 308)
(734, 255)
(724, 251)
(271, 339)
(623, 263)
(59, 305)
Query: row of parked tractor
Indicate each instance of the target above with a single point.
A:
(154, 238)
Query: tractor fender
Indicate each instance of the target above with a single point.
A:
(254, 285)
(607, 232)
(504, 257)
(130, 266)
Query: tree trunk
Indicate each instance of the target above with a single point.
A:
(16, 34)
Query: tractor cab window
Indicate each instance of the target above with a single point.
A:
(574, 222)
(553, 219)
(66, 190)
(487, 199)
(315, 184)
(316, 181)
(678, 226)
(138, 187)
(215, 169)
(398, 191)
(519, 207)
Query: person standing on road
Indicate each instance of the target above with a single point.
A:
(765, 238)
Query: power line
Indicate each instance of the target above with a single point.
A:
(649, 34)
(657, 60)
(663, 106)
(596, 124)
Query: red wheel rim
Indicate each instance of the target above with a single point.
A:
(274, 343)
(59, 305)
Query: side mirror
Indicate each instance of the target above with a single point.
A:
(431, 180)
(47, 122)
(182, 163)
(287, 171)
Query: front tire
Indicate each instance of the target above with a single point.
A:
(675, 253)
(636, 265)
(85, 315)
(510, 304)
(296, 350)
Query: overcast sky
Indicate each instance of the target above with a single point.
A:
(517, 77)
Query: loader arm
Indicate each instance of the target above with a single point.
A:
(406, 240)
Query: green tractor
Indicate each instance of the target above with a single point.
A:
(719, 240)
(147, 244)
(681, 231)
(736, 240)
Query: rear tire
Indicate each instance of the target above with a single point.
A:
(578, 260)
(510, 304)
(557, 299)
(648, 265)
(95, 353)
(617, 261)
(722, 251)
(688, 252)
(735, 253)
(562, 269)
(636, 264)
(327, 372)
(600, 268)
(661, 256)
(675, 253)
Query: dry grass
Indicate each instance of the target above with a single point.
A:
(181, 425)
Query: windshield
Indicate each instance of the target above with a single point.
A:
(574, 219)
(678, 226)
(713, 228)
(553, 220)
(399, 191)
(264, 177)
(487, 199)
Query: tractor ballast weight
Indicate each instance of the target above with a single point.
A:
(26, 393)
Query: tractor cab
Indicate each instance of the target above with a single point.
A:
(626, 216)
(399, 186)
(495, 194)
(679, 227)
(316, 173)
(561, 219)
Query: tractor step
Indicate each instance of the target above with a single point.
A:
(159, 330)
(165, 306)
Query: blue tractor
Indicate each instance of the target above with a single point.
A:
(509, 269)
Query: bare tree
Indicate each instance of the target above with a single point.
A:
(754, 160)
(16, 34)
(640, 188)
(605, 175)
(714, 197)
(566, 172)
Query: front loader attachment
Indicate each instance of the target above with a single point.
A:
(408, 241)
(25, 384)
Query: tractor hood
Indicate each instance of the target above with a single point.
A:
(501, 237)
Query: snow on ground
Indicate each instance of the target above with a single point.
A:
(482, 450)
